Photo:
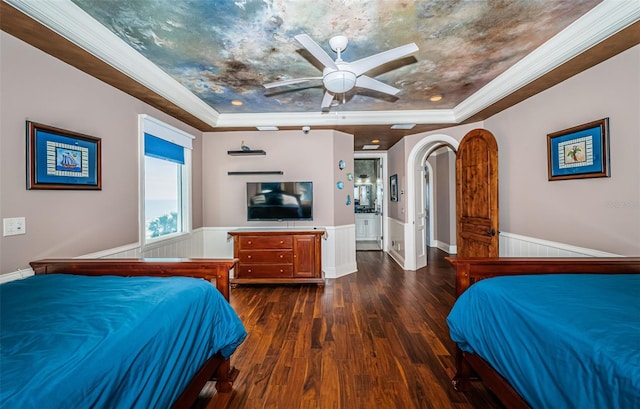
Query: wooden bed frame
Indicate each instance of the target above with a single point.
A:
(216, 368)
(472, 269)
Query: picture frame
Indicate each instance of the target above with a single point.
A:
(393, 188)
(61, 159)
(579, 152)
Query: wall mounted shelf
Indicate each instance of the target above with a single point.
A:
(247, 153)
(257, 172)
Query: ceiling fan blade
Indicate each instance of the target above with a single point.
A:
(290, 82)
(326, 100)
(365, 64)
(315, 50)
(367, 82)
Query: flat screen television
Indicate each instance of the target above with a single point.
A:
(279, 201)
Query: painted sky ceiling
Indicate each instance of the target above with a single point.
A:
(224, 50)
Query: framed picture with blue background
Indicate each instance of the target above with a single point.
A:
(579, 152)
(61, 159)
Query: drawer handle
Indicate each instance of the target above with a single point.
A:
(249, 270)
(249, 242)
(248, 256)
(281, 241)
(281, 256)
(281, 270)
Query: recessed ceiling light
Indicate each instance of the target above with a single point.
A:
(370, 147)
(435, 98)
(375, 140)
(237, 103)
(267, 128)
(403, 126)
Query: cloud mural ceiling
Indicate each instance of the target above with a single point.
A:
(226, 50)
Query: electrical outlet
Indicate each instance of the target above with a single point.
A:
(13, 226)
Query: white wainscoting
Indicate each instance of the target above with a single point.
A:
(339, 251)
(515, 245)
(338, 248)
(397, 240)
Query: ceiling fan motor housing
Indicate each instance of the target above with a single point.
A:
(339, 81)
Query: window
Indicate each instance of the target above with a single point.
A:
(166, 170)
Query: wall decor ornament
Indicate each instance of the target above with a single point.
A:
(61, 159)
(579, 152)
(340, 185)
(348, 200)
(393, 188)
(349, 176)
(341, 164)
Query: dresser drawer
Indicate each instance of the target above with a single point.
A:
(265, 242)
(266, 256)
(264, 270)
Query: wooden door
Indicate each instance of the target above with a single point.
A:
(304, 256)
(477, 195)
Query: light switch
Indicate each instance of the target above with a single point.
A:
(13, 226)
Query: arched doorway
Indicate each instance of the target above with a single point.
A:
(415, 250)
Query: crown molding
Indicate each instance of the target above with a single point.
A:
(601, 22)
(74, 24)
(441, 116)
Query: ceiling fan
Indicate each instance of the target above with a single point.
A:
(339, 76)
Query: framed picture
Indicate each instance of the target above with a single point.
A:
(393, 188)
(579, 152)
(60, 159)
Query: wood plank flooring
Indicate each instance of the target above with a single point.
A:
(373, 339)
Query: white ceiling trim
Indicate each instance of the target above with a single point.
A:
(601, 22)
(440, 116)
(73, 23)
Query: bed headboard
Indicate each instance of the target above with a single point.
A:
(471, 269)
(206, 268)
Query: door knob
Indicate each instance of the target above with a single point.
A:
(491, 232)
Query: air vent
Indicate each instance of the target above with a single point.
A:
(403, 126)
(370, 147)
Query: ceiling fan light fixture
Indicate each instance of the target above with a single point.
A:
(340, 81)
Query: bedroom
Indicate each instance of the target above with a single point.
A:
(531, 208)
(594, 214)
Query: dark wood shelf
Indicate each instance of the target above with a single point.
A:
(257, 172)
(246, 153)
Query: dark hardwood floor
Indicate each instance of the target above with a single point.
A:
(373, 339)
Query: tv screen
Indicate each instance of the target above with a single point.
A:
(279, 201)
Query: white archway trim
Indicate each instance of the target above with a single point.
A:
(417, 156)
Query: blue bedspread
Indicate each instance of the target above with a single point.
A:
(562, 341)
(88, 342)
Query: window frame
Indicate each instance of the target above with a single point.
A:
(159, 129)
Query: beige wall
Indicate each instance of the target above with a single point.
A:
(444, 212)
(396, 161)
(302, 157)
(602, 213)
(40, 88)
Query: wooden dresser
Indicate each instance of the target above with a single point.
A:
(277, 256)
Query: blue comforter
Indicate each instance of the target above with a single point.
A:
(79, 342)
(562, 341)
